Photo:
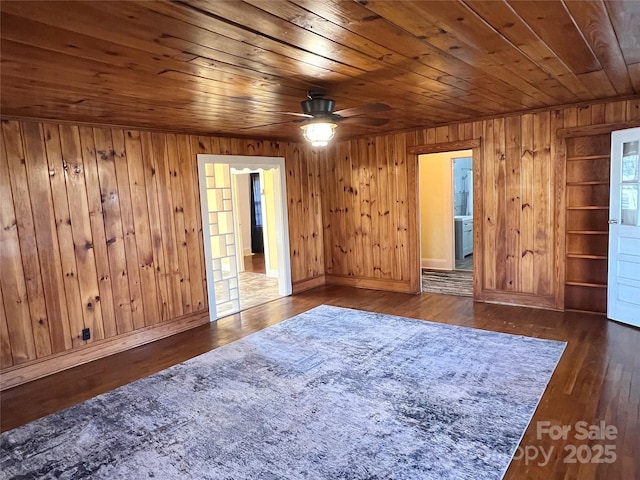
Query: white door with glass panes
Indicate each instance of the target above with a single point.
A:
(219, 239)
(219, 224)
(623, 294)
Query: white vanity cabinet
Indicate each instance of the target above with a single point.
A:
(463, 236)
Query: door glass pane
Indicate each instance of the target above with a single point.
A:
(629, 204)
(222, 239)
(630, 162)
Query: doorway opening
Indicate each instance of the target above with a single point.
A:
(254, 204)
(240, 192)
(446, 222)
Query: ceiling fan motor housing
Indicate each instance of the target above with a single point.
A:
(317, 105)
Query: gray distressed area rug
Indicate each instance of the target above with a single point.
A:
(332, 393)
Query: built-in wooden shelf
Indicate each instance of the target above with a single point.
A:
(587, 213)
(588, 157)
(590, 182)
(587, 284)
(588, 207)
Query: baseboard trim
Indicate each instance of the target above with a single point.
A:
(307, 284)
(436, 264)
(372, 283)
(518, 299)
(35, 369)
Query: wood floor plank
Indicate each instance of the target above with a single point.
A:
(596, 379)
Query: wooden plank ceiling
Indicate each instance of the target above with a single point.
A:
(230, 67)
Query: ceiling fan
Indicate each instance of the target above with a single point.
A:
(320, 119)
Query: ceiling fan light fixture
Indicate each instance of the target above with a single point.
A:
(319, 133)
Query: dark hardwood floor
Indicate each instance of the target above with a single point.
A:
(597, 379)
(255, 263)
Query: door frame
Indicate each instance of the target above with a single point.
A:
(240, 162)
(236, 222)
(474, 145)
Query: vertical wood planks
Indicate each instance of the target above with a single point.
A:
(6, 360)
(489, 192)
(44, 218)
(364, 188)
(56, 165)
(352, 213)
(151, 171)
(406, 178)
(557, 219)
(374, 201)
(26, 234)
(81, 230)
(137, 186)
(542, 180)
(315, 159)
(519, 162)
(189, 183)
(513, 211)
(368, 225)
(177, 198)
(307, 209)
(12, 279)
(96, 214)
(103, 230)
(294, 203)
(499, 159)
(330, 206)
(112, 215)
(203, 145)
(167, 224)
(326, 178)
(387, 237)
(527, 222)
(396, 270)
(615, 112)
(633, 109)
(128, 228)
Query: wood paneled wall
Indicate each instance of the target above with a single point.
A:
(101, 229)
(370, 209)
(101, 226)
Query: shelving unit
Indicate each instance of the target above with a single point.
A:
(587, 231)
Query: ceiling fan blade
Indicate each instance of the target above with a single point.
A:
(363, 110)
(270, 124)
(371, 121)
(305, 115)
